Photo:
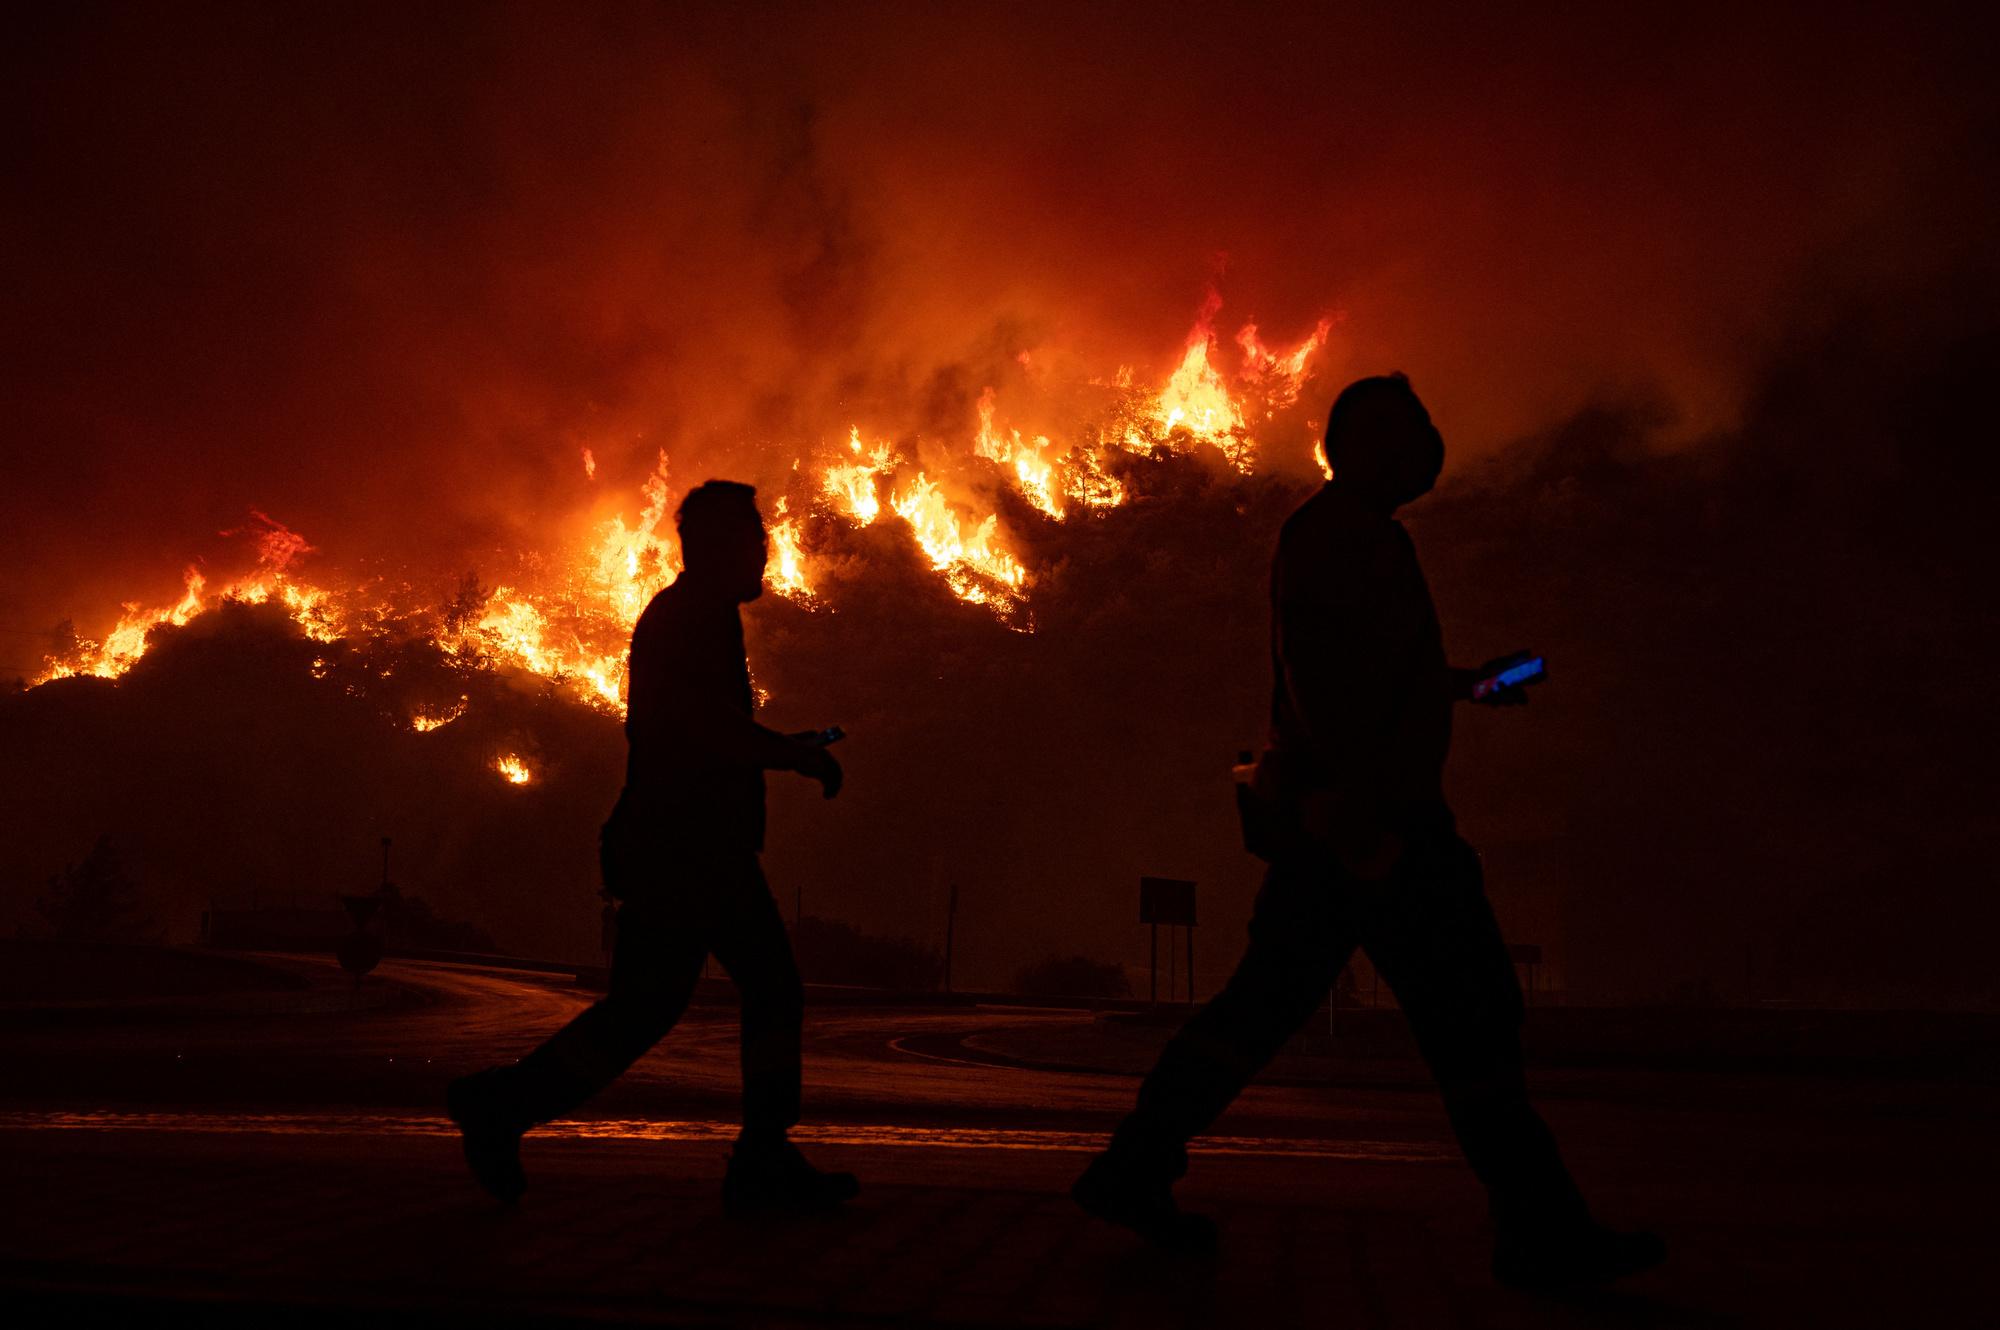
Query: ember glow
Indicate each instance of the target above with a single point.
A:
(512, 769)
(568, 616)
(423, 722)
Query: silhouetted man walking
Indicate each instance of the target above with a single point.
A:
(680, 853)
(1364, 852)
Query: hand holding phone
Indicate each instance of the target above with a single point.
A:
(1502, 681)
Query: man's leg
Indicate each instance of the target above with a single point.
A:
(751, 942)
(766, 1171)
(1299, 940)
(1433, 937)
(653, 973)
(1298, 944)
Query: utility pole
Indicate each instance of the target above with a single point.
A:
(950, 925)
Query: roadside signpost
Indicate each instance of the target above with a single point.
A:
(1169, 901)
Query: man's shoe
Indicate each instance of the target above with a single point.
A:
(1571, 1258)
(1130, 1199)
(777, 1179)
(492, 1139)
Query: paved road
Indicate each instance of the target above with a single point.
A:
(259, 1161)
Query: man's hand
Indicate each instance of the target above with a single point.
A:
(816, 763)
(1267, 777)
(1513, 695)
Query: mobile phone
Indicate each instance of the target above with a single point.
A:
(832, 734)
(1521, 669)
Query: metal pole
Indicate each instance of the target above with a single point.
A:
(1153, 969)
(1190, 933)
(950, 921)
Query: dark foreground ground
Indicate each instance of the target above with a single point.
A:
(274, 1154)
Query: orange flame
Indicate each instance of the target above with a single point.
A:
(277, 546)
(974, 566)
(1033, 471)
(785, 571)
(852, 486)
(569, 619)
(1195, 404)
(423, 722)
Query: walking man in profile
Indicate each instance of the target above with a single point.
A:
(680, 854)
(1364, 852)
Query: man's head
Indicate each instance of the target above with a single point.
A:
(722, 538)
(1381, 444)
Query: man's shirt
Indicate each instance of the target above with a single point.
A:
(1361, 696)
(687, 660)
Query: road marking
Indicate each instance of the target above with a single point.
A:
(649, 1129)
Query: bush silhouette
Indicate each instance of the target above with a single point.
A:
(1072, 976)
(96, 901)
(831, 952)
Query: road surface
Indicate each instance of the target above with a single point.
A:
(257, 1160)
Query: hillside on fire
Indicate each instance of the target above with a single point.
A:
(1690, 767)
(359, 358)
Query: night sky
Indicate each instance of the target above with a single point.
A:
(1701, 297)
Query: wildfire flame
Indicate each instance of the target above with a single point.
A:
(974, 566)
(573, 626)
(1033, 471)
(1282, 375)
(785, 572)
(423, 722)
(852, 485)
(277, 546)
(512, 769)
(1197, 400)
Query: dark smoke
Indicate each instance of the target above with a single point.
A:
(1697, 298)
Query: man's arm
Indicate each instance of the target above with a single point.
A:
(732, 737)
(684, 707)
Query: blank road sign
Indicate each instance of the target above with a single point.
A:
(1166, 900)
